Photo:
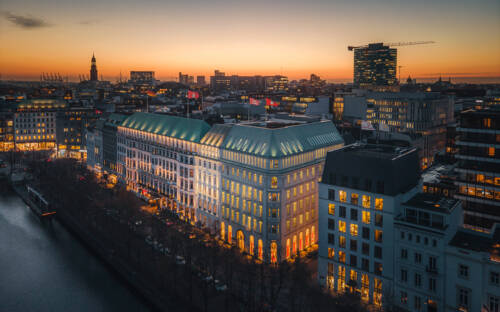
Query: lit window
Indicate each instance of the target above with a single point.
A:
(354, 230)
(331, 209)
(274, 183)
(366, 217)
(491, 151)
(366, 201)
(379, 203)
(354, 198)
(378, 236)
(342, 196)
(342, 226)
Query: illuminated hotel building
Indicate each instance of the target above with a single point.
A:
(375, 65)
(361, 189)
(478, 167)
(254, 184)
(268, 190)
(156, 157)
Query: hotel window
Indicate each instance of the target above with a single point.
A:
(331, 253)
(331, 224)
(353, 244)
(404, 297)
(494, 278)
(379, 220)
(331, 239)
(378, 236)
(418, 280)
(366, 201)
(274, 183)
(354, 198)
(463, 298)
(354, 230)
(463, 271)
(341, 257)
(331, 209)
(342, 212)
(287, 194)
(354, 214)
(342, 241)
(378, 268)
(379, 203)
(342, 226)
(494, 304)
(342, 196)
(366, 217)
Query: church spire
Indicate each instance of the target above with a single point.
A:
(93, 69)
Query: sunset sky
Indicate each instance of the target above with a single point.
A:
(291, 37)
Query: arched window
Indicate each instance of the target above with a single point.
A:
(301, 242)
(274, 252)
(259, 250)
(222, 231)
(241, 240)
(288, 248)
(251, 246)
(294, 245)
(313, 235)
(229, 234)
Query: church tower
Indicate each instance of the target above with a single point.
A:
(93, 69)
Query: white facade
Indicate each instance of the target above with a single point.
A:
(356, 239)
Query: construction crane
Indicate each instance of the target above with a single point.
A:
(394, 44)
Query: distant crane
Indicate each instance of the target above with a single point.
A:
(394, 44)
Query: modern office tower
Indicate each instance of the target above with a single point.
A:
(479, 166)
(219, 81)
(422, 229)
(142, 77)
(156, 158)
(268, 190)
(200, 80)
(424, 116)
(183, 78)
(276, 83)
(361, 189)
(375, 65)
(93, 69)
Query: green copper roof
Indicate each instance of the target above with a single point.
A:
(172, 126)
(273, 142)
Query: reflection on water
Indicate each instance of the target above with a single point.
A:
(44, 268)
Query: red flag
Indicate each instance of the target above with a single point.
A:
(193, 94)
(270, 102)
(253, 101)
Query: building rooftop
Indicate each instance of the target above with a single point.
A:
(260, 140)
(436, 173)
(479, 242)
(432, 202)
(380, 169)
(172, 126)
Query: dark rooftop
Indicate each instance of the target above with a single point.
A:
(379, 169)
(480, 242)
(432, 202)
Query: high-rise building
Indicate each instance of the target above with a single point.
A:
(200, 80)
(219, 81)
(479, 166)
(375, 65)
(93, 69)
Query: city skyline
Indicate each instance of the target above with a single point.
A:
(289, 38)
